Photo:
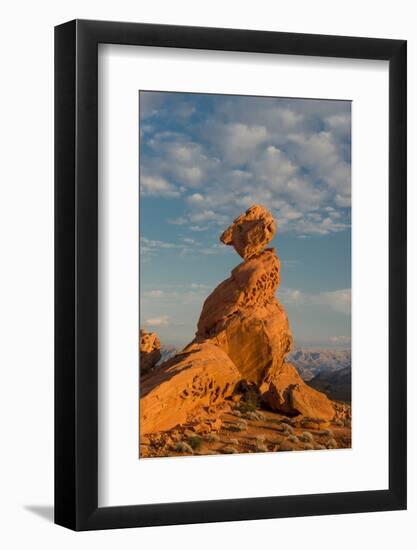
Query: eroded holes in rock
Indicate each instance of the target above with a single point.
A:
(216, 394)
(225, 389)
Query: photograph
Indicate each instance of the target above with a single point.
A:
(245, 274)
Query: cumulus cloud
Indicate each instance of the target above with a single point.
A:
(291, 155)
(337, 300)
(154, 293)
(236, 142)
(163, 320)
(157, 186)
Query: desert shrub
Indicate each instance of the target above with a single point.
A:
(250, 415)
(319, 447)
(248, 406)
(289, 421)
(183, 447)
(292, 438)
(307, 437)
(233, 428)
(339, 423)
(326, 432)
(308, 447)
(250, 399)
(261, 448)
(229, 450)
(281, 427)
(239, 426)
(195, 442)
(288, 429)
(331, 444)
(237, 412)
(233, 442)
(211, 438)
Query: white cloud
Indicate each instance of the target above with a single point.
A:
(199, 286)
(154, 293)
(291, 296)
(150, 103)
(236, 142)
(154, 243)
(163, 320)
(292, 156)
(337, 300)
(340, 124)
(198, 228)
(195, 198)
(157, 186)
(189, 240)
(177, 157)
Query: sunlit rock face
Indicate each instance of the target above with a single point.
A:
(250, 232)
(150, 350)
(243, 333)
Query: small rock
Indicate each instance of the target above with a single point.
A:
(286, 446)
(229, 450)
(212, 438)
(306, 437)
(202, 428)
(217, 425)
(183, 447)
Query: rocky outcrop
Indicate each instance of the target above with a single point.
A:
(243, 317)
(150, 350)
(287, 393)
(200, 375)
(242, 334)
(250, 233)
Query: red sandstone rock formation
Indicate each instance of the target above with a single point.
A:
(150, 350)
(202, 374)
(242, 334)
(243, 317)
(250, 232)
(286, 392)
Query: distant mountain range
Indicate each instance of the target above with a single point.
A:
(326, 370)
(167, 352)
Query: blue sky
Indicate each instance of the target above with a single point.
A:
(206, 158)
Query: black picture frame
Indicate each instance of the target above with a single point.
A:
(76, 272)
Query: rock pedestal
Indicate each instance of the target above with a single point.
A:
(242, 334)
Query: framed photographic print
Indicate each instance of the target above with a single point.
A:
(230, 275)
